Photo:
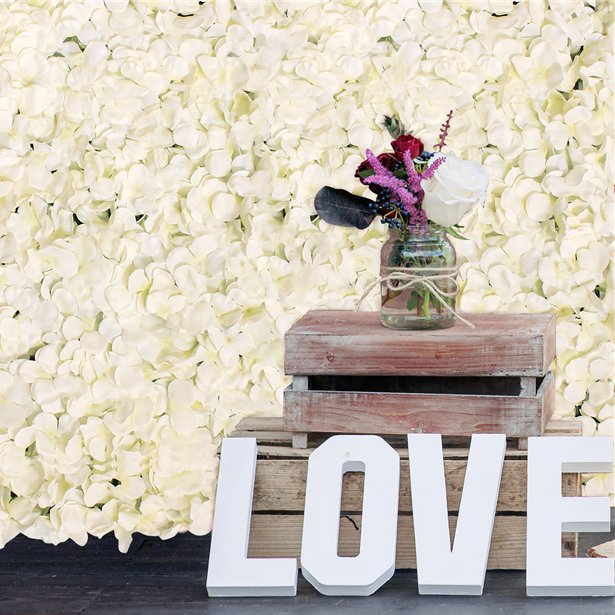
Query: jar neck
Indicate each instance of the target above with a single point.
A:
(418, 233)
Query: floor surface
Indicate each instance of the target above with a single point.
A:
(168, 577)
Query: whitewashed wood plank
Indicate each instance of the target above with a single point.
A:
(348, 342)
(280, 536)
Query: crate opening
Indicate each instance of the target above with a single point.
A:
(460, 385)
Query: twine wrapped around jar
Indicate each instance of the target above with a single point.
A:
(405, 278)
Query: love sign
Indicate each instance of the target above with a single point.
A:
(440, 568)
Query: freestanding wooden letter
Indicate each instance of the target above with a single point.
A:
(460, 570)
(362, 575)
(548, 513)
(230, 572)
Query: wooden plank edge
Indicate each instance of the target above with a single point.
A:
(315, 329)
(281, 485)
(392, 413)
(546, 395)
(549, 344)
(270, 429)
(280, 536)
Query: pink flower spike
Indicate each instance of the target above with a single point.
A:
(396, 186)
(408, 193)
(407, 199)
(378, 167)
(429, 171)
(408, 162)
(386, 181)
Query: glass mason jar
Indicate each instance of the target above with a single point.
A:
(420, 267)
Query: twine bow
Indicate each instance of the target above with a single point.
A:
(404, 278)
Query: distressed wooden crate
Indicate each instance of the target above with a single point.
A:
(353, 375)
(279, 496)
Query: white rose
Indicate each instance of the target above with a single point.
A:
(454, 189)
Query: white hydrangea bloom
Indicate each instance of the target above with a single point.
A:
(158, 163)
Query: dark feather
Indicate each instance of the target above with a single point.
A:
(343, 208)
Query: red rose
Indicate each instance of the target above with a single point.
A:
(405, 143)
(388, 161)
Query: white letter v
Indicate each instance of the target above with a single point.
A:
(460, 570)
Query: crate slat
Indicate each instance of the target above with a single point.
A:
(274, 450)
(399, 413)
(280, 486)
(546, 395)
(280, 536)
(261, 423)
(356, 343)
(269, 430)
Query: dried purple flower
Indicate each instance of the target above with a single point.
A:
(428, 173)
(444, 131)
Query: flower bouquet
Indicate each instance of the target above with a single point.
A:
(421, 196)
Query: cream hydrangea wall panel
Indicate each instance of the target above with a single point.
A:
(158, 162)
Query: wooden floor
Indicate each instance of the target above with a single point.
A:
(168, 577)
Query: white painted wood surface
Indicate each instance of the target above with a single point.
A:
(459, 570)
(321, 565)
(230, 572)
(548, 513)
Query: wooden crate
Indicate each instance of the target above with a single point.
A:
(353, 375)
(279, 495)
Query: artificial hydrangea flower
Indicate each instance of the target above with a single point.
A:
(158, 162)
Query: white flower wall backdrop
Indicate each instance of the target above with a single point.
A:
(158, 162)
